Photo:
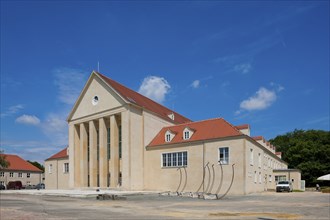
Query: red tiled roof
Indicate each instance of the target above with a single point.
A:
(245, 126)
(17, 163)
(62, 154)
(258, 138)
(142, 101)
(278, 153)
(203, 130)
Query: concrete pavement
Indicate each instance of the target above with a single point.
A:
(77, 193)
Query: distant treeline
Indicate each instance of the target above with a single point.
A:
(308, 151)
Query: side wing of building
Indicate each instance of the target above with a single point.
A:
(57, 171)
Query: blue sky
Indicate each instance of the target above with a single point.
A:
(263, 63)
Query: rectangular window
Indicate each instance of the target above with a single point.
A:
(11, 174)
(184, 159)
(20, 175)
(280, 178)
(88, 146)
(169, 160)
(259, 160)
(108, 143)
(255, 176)
(2, 174)
(186, 135)
(168, 138)
(50, 168)
(251, 156)
(66, 168)
(97, 145)
(164, 160)
(224, 155)
(2, 183)
(179, 159)
(28, 175)
(120, 142)
(176, 159)
(270, 178)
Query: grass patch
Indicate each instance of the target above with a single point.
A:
(298, 190)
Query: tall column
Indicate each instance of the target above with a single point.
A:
(92, 154)
(72, 155)
(103, 161)
(83, 155)
(114, 143)
(77, 156)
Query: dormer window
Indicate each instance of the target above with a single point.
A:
(169, 135)
(171, 116)
(187, 133)
(168, 138)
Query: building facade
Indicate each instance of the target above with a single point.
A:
(57, 170)
(121, 139)
(20, 170)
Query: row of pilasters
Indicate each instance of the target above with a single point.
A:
(97, 169)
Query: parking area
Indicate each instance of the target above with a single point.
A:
(270, 205)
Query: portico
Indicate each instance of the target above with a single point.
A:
(97, 152)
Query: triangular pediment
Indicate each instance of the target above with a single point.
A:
(97, 96)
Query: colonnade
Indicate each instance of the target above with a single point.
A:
(97, 152)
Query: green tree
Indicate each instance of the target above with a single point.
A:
(3, 162)
(308, 151)
(35, 163)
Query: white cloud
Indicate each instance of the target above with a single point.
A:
(55, 128)
(196, 84)
(321, 120)
(70, 83)
(12, 110)
(243, 68)
(155, 88)
(261, 100)
(277, 87)
(28, 119)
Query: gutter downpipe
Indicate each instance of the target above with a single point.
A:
(204, 166)
(57, 174)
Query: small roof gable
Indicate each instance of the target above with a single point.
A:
(171, 131)
(189, 129)
(259, 138)
(19, 164)
(144, 102)
(62, 154)
(245, 126)
(203, 130)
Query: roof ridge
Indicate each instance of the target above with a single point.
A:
(131, 99)
(58, 154)
(9, 154)
(206, 129)
(19, 163)
(193, 122)
(233, 126)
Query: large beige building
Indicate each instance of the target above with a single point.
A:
(121, 139)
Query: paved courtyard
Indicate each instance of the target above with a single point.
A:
(265, 206)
